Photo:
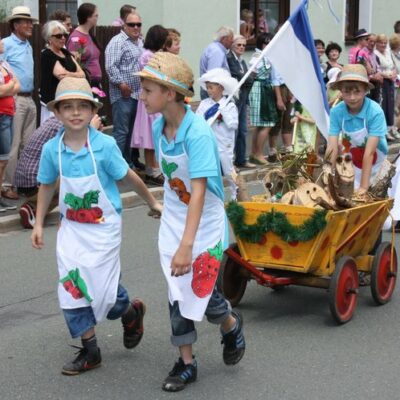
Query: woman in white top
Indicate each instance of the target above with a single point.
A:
(389, 74)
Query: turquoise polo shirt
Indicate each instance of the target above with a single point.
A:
(111, 166)
(371, 115)
(18, 53)
(195, 137)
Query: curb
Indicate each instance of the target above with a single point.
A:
(12, 223)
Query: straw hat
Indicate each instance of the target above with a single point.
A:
(332, 75)
(21, 12)
(352, 73)
(169, 70)
(73, 89)
(220, 76)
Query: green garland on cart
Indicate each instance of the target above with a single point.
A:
(276, 222)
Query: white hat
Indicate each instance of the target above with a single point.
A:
(21, 12)
(220, 76)
(332, 75)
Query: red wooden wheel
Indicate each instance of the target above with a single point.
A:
(232, 280)
(383, 277)
(343, 290)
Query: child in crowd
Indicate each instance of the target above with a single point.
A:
(193, 232)
(305, 132)
(334, 95)
(361, 122)
(88, 164)
(173, 42)
(219, 84)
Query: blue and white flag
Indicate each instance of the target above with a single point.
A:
(292, 53)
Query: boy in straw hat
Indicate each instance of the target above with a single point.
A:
(361, 122)
(193, 232)
(88, 164)
(218, 83)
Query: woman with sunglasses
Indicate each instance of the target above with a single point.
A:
(56, 62)
(83, 44)
(238, 68)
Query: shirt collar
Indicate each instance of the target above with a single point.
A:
(17, 39)
(183, 127)
(94, 135)
(362, 114)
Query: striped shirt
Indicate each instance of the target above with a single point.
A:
(122, 61)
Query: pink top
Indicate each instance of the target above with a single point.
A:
(353, 54)
(90, 53)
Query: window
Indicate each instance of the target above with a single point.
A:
(47, 7)
(352, 17)
(258, 16)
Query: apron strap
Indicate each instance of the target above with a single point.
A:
(89, 148)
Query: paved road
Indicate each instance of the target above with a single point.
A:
(294, 350)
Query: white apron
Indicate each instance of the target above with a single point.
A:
(88, 243)
(353, 143)
(192, 290)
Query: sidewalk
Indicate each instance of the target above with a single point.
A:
(10, 221)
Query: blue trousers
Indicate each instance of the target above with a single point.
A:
(80, 320)
(124, 114)
(183, 329)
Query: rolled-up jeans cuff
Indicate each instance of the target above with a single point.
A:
(182, 340)
(219, 319)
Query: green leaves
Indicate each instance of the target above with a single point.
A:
(276, 222)
(168, 169)
(77, 203)
(216, 251)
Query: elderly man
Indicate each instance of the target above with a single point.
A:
(122, 61)
(18, 53)
(214, 55)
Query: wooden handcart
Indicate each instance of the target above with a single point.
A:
(331, 260)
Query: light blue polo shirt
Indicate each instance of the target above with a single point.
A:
(198, 140)
(111, 166)
(195, 137)
(370, 112)
(18, 53)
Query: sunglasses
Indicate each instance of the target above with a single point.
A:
(60, 35)
(240, 45)
(134, 24)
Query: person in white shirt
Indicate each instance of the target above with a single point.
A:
(218, 83)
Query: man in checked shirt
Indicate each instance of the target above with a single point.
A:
(122, 61)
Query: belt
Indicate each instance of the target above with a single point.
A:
(26, 94)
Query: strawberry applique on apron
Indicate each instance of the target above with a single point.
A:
(353, 143)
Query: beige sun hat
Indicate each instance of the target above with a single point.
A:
(352, 73)
(220, 76)
(73, 89)
(21, 12)
(169, 70)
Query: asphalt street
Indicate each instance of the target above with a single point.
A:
(294, 349)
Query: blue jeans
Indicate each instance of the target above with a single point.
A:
(80, 320)
(241, 133)
(5, 136)
(183, 329)
(124, 113)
